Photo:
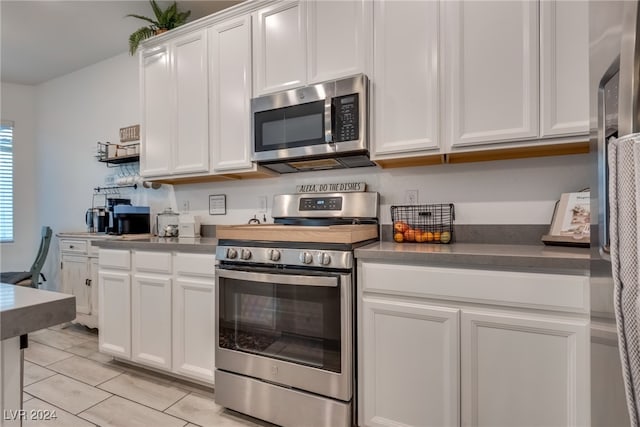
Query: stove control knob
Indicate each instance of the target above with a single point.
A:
(245, 254)
(232, 253)
(325, 258)
(306, 258)
(274, 254)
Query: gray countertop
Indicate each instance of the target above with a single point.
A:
(24, 309)
(549, 259)
(179, 244)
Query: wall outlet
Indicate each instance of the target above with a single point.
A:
(185, 206)
(262, 204)
(411, 197)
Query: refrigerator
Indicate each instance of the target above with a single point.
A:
(614, 79)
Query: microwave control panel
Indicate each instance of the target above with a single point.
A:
(346, 126)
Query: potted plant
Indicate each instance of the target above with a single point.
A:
(164, 20)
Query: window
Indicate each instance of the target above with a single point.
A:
(6, 181)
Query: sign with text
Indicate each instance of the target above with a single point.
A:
(340, 187)
(130, 133)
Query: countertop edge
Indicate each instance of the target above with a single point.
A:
(486, 257)
(193, 245)
(23, 320)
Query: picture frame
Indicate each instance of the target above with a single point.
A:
(218, 204)
(571, 223)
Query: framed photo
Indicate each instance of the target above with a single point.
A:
(217, 204)
(571, 224)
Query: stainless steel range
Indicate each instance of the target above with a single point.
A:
(285, 309)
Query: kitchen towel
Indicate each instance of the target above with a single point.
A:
(624, 184)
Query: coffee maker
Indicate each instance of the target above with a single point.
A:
(96, 219)
(131, 219)
(111, 227)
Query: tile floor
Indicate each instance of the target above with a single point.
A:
(65, 373)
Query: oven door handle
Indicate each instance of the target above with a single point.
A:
(285, 279)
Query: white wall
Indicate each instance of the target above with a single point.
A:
(500, 192)
(77, 110)
(18, 105)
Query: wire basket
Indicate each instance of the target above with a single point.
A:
(423, 223)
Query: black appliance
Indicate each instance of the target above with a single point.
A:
(131, 219)
(111, 204)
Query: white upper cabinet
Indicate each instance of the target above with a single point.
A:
(175, 107)
(296, 43)
(279, 43)
(339, 34)
(191, 147)
(230, 95)
(404, 84)
(157, 99)
(491, 64)
(564, 68)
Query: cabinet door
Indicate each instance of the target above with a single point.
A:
(520, 370)
(410, 364)
(230, 85)
(405, 77)
(114, 296)
(564, 67)
(158, 110)
(194, 328)
(75, 276)
(191, 147)
(151, 320)
(93, 282)
(491, 71)
(339, 37)
(279, 47)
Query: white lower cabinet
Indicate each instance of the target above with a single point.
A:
(79, 274)
(194, 316)
(193, 328)
(431, 354)
(420, 362)
(114, 296)
(524, 370)
(151, 320)
(166, 319)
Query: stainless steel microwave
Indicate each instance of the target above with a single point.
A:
(321, 126)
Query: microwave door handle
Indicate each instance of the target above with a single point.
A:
(285, 279)
(329, 119)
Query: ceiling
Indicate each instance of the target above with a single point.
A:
(42, 40)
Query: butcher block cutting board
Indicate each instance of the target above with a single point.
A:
(296, 233)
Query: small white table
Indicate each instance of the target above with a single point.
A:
(24, 310)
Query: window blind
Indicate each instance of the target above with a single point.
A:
(6, 181)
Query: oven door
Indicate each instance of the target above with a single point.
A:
(289, 328)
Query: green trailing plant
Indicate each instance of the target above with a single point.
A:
(164, 20)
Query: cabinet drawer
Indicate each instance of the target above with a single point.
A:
(536, 290)
(195, 265)
(76, 246)
(114, 258)
(155, 262)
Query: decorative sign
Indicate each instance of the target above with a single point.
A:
(343, 187)
(130, 133)
(217, 204)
